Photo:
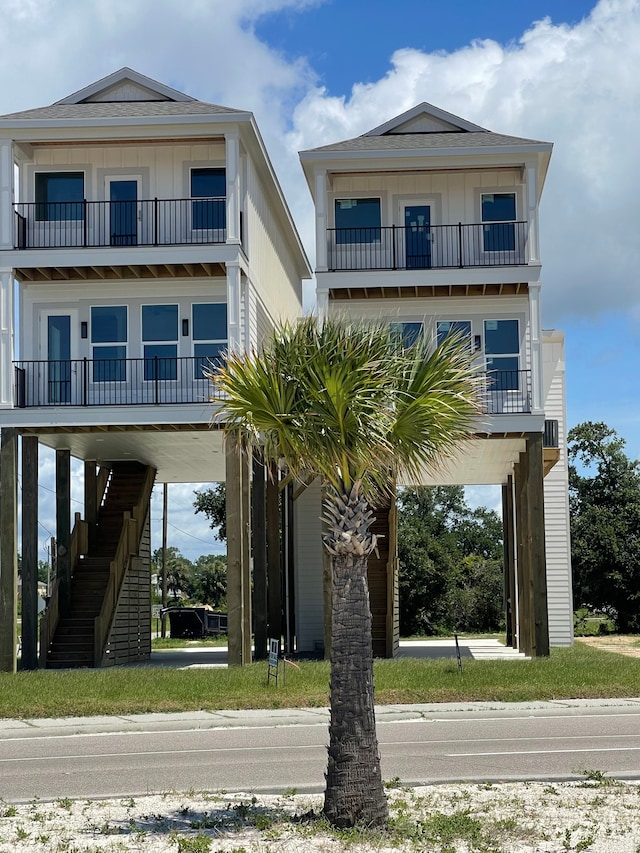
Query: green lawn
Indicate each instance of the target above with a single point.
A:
(569, 673)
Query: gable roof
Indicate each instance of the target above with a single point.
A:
(124, 94)
(424, 128)
(413, 118)
(125, 84)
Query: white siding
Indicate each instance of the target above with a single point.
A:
(308, 569)
(454, 196)
(272, 264)
(556, 498)
(80, 296)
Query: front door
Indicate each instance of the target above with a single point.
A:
(417, 239)
(58, 345)
(123, 211)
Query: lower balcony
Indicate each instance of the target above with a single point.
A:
(166, 381)
(112, 382)
(427, 247)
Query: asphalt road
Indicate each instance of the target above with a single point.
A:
(273, 751)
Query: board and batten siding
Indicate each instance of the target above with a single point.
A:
(273, 269)
(454, 196)
(164, 168)
(308, 569)
(556, 498)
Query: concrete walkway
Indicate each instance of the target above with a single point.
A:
(200, 657)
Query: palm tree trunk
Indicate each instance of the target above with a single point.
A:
(354, 793)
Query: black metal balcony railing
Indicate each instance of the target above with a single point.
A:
(112, 382)
(485, 244)
(507, 392)
(94, 224)
(165, 381)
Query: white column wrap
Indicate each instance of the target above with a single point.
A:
(322, 303)
(234, 307)
(6, 338)
(6, 194)
(532, 214)
(536, 347)
(233, 187)
(321, 219)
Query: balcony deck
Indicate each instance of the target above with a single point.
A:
(169, 381)
(118, 224)
(427, 247)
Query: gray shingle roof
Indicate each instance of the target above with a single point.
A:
(413, 141)
(120, 109)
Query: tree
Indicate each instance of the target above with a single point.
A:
(213, 503)
(350, 404)
(450, 562)
(209, 580)
(604, 500)
(179, 570)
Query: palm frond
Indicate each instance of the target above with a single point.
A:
(346, 401)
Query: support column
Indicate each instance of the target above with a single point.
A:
(535, 324)
(234, 307)
(320, 200)
(245, 473)
(29, 552)
(259, 537)
(289, 572)
(63, 529)
(238, 570)
(531, 178)
(8, 548)
(6, 194)
(91, 498)
(6, 338)
(232, 174)
(274, 585)
(537, 553)
(322, 303)
(525, 638)
(509, 562)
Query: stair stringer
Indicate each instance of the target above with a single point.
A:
(129, 638)
(129, 571)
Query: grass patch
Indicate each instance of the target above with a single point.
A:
(175, 643)
(577, 672)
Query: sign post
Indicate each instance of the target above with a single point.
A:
(274, 649)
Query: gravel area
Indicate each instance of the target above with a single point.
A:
(597, 814)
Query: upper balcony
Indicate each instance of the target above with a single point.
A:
(118, 224)
(423, 247)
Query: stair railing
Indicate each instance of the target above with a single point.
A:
(128, 547)
(50, 617)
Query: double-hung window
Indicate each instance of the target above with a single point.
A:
(502, 351)
(409, 333)
(460, 328)
(210, 185)
(160, 341)
(498, 218)
(357, 220)
(209, 324)
(109, 343)
(59, 196)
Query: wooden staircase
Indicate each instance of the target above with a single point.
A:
(74, 641)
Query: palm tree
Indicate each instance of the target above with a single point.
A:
(349, 403)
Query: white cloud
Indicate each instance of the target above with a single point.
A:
(575, 86)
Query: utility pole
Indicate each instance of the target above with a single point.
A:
(165, 504)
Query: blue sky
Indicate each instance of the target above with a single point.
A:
(316, 71)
